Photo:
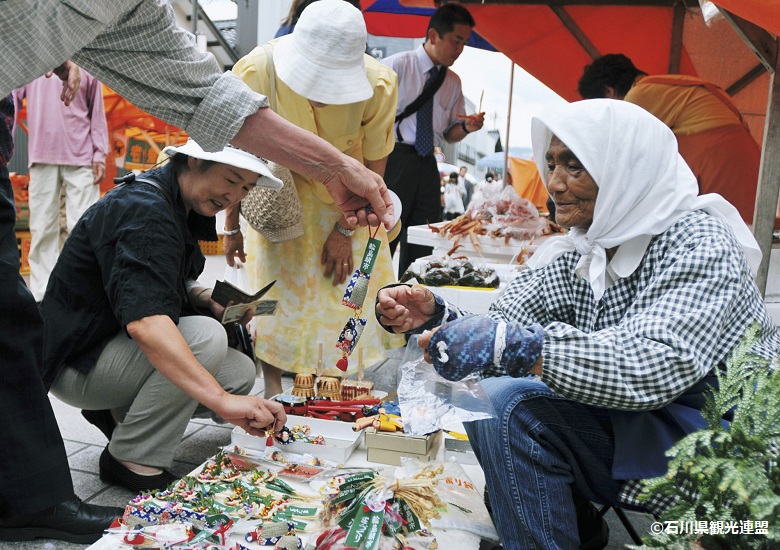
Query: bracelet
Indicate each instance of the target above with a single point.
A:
(463, 125)
(231, 232)
(343, 231)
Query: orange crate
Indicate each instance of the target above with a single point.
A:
(212, 248)
(23, 240)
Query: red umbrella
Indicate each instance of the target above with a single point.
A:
(554, 40)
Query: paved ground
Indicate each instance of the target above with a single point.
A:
(84, 443)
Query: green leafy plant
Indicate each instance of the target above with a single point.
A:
(727, 473)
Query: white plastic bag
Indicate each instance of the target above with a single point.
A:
(430, 402)
(236, 276)
(465, 508)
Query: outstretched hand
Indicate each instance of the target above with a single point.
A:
(404, 308)
(252, 413)
(360, 194)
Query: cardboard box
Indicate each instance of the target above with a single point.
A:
(389, 447)
(473, 300)
(340, 440)
(459, 450)
(23, 242)
(213, 248)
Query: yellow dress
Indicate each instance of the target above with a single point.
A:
(310, 310)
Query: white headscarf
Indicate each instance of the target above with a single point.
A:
(645, 186)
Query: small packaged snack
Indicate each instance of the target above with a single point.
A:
(300, 471)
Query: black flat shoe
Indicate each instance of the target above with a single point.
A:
(102, 420)
(113, 471)
(70, 520)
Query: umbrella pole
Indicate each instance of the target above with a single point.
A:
(508, 120)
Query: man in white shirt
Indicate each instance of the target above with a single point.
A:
(411, 168)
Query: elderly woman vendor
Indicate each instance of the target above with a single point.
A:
(129, 334)
(624, 320)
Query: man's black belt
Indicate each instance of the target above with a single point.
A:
(408, 148)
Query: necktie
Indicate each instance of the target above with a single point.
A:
(423, 142)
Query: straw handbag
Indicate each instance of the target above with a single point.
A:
(275, 214)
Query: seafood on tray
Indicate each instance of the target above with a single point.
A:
(499, 214)
(451, 271)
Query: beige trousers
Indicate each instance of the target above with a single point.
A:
(47, 182)
(153, 413)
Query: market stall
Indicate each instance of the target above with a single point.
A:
(300, 492)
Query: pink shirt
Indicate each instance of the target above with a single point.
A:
(76, 135)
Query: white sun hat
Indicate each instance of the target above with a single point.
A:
(233, 157)
(322, 60)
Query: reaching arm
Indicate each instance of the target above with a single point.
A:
(351, 184)
(168, 352)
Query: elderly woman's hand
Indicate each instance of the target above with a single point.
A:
(474, 343)
(337, 257)
(404, 308)
(234, 248)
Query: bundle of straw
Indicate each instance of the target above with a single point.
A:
(418, 491)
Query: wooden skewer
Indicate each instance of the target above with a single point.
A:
(360, 365)
(319, 361)
(479, 109)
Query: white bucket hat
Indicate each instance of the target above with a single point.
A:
(322, 60)
(233, 157)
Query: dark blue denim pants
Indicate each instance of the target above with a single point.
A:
(535, 453)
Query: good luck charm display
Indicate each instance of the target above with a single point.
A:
(354, 296)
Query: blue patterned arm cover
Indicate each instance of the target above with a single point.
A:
(475, 343)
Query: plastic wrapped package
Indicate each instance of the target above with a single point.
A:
(466, 508)
(430, 402)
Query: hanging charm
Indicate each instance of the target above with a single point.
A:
(351, 334)
(343, 363)
(357, 288)
(356, 291)
(354, 297)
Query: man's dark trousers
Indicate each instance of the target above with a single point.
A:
(415, 180)
(34, 471)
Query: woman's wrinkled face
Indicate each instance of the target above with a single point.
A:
(570, 186)
(210, 190)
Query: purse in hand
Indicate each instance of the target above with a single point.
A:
(275, 214)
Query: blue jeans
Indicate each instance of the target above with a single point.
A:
(535, 453)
